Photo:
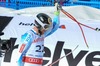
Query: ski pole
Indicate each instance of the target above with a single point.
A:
(71, 17)
(63, 56)
(66, 13)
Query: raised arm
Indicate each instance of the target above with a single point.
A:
(56, 19)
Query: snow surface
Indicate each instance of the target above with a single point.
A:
(5, 10)
(79, 12)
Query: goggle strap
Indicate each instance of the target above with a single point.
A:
(40, 22)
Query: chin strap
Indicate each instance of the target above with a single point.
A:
(40, 33)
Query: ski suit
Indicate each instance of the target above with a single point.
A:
(32, 45)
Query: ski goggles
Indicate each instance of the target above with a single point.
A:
(41, 25)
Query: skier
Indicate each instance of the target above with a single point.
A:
(31, 49)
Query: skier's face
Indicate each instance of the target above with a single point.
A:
(43, 30)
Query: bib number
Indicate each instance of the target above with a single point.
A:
(39, 48)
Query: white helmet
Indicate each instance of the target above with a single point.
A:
(43, 21)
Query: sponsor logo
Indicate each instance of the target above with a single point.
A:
(26, 24)
(22, 48)
(32, 60)
(89, 57)
(39, 39)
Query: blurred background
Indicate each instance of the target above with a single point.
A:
(20, 4)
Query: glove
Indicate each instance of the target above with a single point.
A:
(97, 29)
(58, 7)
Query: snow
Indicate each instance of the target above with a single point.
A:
(79, 12)
(5, 10)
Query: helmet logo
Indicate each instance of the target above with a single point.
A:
(41, 19)
(44, 21)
